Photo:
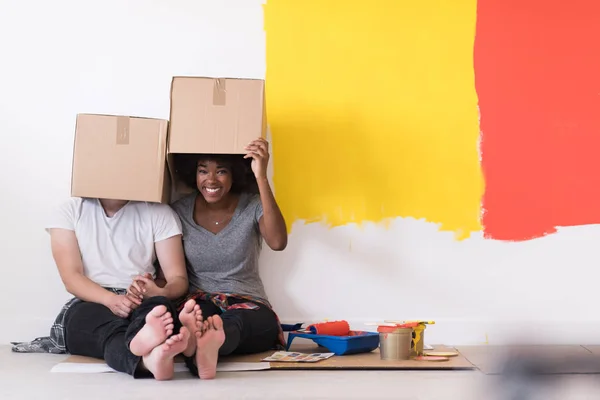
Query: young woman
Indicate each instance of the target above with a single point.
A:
(224, 223)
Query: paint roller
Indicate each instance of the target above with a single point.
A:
(333, 328)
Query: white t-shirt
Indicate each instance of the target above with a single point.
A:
(116, 249)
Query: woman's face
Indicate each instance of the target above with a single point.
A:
(213, 179)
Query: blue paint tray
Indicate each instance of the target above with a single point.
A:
(291, 327)
(356, 342)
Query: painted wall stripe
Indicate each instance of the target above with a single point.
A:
(373, 111)
(537, 69)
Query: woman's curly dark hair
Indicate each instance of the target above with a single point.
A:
(243, 179)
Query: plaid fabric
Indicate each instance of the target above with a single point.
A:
(55, 343)
(221, 300)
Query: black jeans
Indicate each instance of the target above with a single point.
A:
(246, 331)
(92, 330)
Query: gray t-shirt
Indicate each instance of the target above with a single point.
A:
(226, 262)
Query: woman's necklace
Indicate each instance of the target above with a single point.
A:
(228, 215)
(221, 221)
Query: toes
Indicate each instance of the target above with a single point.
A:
(173, 339)
(217, 323)
(158, 311)
(183, 332)
(189, 305)
(211, 321)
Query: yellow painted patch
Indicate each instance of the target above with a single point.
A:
(373, 111)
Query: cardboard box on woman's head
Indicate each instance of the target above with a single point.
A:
(120, 157)
(213, 116)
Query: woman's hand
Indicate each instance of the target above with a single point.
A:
(258, 150)
(143, 286)
(136, 290)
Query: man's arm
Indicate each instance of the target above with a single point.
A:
(65, 250)
(160, 278)
(172, 264)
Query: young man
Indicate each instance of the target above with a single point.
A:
(99, 247)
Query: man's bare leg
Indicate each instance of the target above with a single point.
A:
(208, 342)
(159, 326)
(191, 318)
(160, 360)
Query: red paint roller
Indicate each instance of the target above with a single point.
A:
(334, 328)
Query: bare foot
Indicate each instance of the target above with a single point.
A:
(209, 341)
(191, 318)
(159, 326)
(160, 360)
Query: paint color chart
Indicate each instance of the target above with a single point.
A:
(473, 115)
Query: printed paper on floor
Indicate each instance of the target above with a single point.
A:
(286, 356)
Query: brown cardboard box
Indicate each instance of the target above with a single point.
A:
(216, 115)
(119, 157)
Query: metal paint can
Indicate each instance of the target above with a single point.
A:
(394, 343)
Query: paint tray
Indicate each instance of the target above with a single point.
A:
(356, 342)
(291, 327)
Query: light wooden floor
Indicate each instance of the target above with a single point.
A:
(27, 376)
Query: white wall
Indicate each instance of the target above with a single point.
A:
(118, 56)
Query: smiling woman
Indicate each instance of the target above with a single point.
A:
(224, 222)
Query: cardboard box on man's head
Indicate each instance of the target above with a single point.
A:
(214, 116)
(120, 157)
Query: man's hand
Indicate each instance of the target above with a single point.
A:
(122, 305)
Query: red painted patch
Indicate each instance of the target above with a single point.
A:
(537, 73)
